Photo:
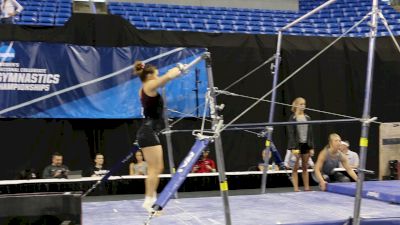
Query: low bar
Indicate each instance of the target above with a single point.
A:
(261, 126)
(294, 123)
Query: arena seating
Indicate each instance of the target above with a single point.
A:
(44, 13)
(331, 21)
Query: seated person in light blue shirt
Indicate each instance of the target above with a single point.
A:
(352, 157)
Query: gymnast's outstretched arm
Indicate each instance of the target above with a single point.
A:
(153, 85)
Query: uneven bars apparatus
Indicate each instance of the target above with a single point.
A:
(274, 85)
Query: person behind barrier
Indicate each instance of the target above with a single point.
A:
(300, 141)
(56, 169)
(97, 170)
(290, 160)
(271, 164)
(204, 164)
(351, 156)
(27, 174)
(329, 159)
(148, 140)
(9, 9)
(139, 166)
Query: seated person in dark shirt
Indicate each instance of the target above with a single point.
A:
(97, 170)
(27, 174)
(56, 169)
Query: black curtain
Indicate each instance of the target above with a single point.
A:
(334, 82)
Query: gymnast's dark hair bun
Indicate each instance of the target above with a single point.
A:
(138, 67)
(142, 70)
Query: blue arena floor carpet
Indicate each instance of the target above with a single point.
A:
(276, 208)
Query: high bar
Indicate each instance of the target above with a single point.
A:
(305, 16)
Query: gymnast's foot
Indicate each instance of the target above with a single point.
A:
(148, 203)
(157, 213)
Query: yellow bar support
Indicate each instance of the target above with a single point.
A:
(363, 142)
(223, 186)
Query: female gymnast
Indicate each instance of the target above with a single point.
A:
(148, 140)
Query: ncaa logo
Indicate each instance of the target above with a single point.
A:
(7, 53)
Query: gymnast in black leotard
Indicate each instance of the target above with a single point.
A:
(153, 113)
(148, 140)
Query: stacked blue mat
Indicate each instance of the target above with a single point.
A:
(387, 191)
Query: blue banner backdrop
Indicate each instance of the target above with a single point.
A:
(31, 71)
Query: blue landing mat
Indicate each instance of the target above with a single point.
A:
(387, 191)
(312, 208)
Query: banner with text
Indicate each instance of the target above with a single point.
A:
(44, 80)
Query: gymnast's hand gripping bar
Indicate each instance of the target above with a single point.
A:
(184, 68)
